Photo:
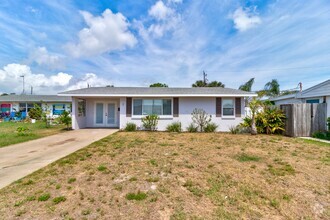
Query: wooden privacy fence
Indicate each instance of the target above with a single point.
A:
(302, 120)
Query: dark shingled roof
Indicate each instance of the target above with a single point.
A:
(34, 98)
(135, 91)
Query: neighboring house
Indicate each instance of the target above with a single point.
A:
(116, 106)
(54, 105)
(319, 93)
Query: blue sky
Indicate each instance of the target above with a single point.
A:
(60, 45)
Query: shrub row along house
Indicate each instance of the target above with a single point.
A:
(117, 106)
(54, 105)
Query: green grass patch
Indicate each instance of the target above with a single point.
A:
(44, 197)
(282, 170)
(9, 134)
(245, 157)
(136, 196)
(59, 199)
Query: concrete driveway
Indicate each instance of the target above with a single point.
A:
(19, 160)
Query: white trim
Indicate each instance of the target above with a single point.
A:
(160, 116)
(105, 113)
(159, 95)
(228, 116)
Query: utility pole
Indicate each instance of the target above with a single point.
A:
(204, 78)
(23, 84)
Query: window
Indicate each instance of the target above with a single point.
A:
(58, 109)
(313, 101)
(22, 107)
(228, 107)
(31, 105)
(152, 106)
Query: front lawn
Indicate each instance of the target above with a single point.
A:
(158, 175)
(9, 134)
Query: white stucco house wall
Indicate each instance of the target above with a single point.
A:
(54, 105)
(116, 106)
(319, 93)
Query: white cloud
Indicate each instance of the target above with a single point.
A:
(105, 33)
(90, 79)
(42, 57)
(10, 78)
(166, 20)
(160, 11)
(245, 19)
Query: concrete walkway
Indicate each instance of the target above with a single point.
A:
(19, 160)
(316, 139)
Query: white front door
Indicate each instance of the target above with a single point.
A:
(105, 114)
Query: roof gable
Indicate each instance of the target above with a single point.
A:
(322, 89)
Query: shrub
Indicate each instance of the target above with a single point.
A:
(321, 135)
(234, 129)
(174, 127)
(35, 112)
(65, 118)
(210, 127)
(130, 127)
(269, 121)
(328, 122)
(138, 196)
(200, 118)
(192, 128)
(150, 122)
(22, 131)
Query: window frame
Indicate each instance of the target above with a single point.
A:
(318, 101)
(152, 98)
(234, 108)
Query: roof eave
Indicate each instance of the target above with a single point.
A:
(158, 95)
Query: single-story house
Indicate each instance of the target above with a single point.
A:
(319, 93)
(116, 106)
(54, 105)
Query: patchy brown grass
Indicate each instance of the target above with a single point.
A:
(145, 175)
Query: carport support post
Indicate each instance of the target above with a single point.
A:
(73, 113)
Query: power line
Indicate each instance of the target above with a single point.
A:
(265, 70)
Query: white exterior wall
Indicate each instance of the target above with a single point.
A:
(78, 122)
(186, 106)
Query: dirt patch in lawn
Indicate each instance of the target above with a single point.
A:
(146, 175)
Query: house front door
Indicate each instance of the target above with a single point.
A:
(105, 114)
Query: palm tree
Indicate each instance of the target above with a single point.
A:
(254, 105)
(247, 86)
(272, 88)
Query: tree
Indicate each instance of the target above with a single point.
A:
(247, 86)
(201, 118)
(3, 94)
(254, 105)
(216, 84)
(35, 112)
(272, 88)
(158, 85)
(65, 118)
(201, 83)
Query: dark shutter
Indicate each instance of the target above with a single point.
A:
(175, 107)
(218, 107)
(128, 107)
(238, 107)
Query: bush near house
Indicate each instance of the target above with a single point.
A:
(321, 135)
(130, 127)
(35, 112)
(65, 118)
(269, 121)
(150, 122)
(174, 127)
